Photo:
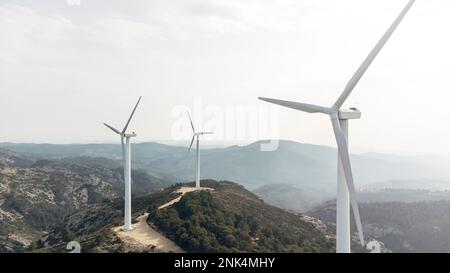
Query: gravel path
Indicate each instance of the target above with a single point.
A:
(143, 236)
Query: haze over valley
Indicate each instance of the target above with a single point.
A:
(45, 187)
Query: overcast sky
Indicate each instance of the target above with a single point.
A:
(66, 68)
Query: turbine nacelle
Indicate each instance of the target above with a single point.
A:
(122, 135)
(352, 113)
(203, 133)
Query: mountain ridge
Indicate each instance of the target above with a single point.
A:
(302, 234)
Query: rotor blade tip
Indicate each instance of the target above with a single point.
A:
(265, 99)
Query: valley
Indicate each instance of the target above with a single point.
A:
(74, 192)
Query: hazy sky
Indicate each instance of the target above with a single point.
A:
(66, 67)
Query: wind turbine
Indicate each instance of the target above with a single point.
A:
(196, 135)
(126, 155)
(339, 119)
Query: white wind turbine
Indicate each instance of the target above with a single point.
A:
(339, 120)
(196, 135)
(126, 155)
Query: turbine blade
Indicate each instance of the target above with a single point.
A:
(192, 124)
(132, 113)
(309, 108)
(369, 59)
(190, 146)
(206, 133)
(112, 128)
(345, 160)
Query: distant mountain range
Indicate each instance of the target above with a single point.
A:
(411, 184)
(293, 198)
(65, 192)
(402, 195)
(302, 165)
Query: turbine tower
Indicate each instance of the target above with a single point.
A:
(126, 155)
(339, 120)
(196, 135)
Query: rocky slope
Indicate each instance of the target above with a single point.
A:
(38, 195)
(402, 227)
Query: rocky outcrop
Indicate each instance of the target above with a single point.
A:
(36, 196)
